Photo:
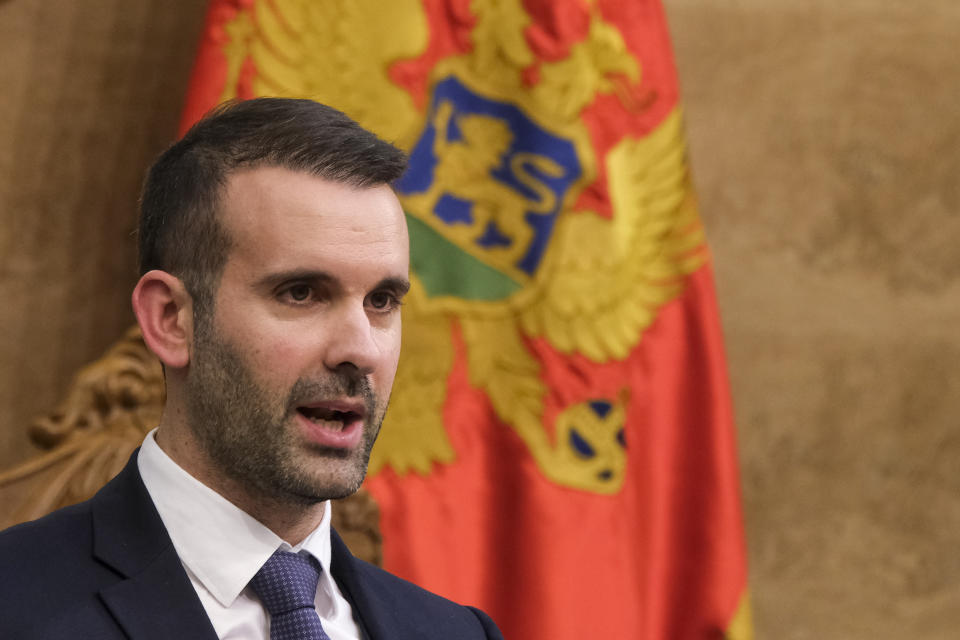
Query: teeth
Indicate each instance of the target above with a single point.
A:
(329, 424)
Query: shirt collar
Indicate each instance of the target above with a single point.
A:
(218, 542)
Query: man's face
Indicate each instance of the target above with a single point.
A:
(289, 379)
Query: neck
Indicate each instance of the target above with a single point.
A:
(291, 522)
(290, 519)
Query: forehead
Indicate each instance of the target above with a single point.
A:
(279, 219)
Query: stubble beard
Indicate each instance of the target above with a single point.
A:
(250, 435)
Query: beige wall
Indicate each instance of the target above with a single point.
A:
(89, 92)
(825, 137)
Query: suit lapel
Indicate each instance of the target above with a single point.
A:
(376, 617)
(154, 598)
(154, 604)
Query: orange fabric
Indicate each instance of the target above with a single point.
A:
(663, 559)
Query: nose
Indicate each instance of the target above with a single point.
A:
(352, 341)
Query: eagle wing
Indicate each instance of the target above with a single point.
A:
(339, 53)
(605, 279)
(413, 436)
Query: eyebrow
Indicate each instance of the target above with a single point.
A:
(272, 280)
(398, 284)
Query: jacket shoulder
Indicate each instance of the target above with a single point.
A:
(48, 566)
(63, 531)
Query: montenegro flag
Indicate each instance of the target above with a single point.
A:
(559, 448)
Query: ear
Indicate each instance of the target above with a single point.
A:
(164, 310)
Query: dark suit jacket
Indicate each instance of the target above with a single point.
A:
(106, 568)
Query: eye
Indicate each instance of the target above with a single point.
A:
(383, 300)
(299, 292)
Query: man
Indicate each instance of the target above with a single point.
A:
(274, 259)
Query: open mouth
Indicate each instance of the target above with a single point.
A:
(333, 423)
(329, 418)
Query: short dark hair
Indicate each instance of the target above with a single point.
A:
(179, 228)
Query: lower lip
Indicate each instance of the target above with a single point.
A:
(347, 438)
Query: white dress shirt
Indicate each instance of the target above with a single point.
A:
(222, 547)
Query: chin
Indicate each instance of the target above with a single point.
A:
(339, 478)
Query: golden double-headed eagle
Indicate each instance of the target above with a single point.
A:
(601, 279)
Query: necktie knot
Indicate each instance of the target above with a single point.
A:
(286, 582)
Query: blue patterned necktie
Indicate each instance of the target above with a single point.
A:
(287, 586)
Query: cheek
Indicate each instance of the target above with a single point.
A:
(292, 357)
(390, 356)
(274, 355)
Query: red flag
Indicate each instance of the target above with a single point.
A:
(559, 449)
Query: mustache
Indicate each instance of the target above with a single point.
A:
(338, 384)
